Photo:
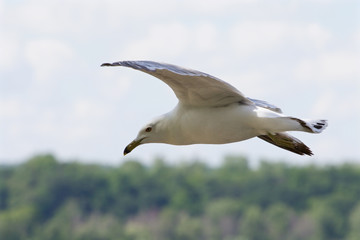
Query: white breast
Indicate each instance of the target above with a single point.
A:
(190, 125)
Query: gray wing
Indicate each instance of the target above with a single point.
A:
(264, 104)
(191, 87)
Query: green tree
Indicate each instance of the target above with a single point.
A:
(354, 231)
(17, 223)
(188, 188)
(48, 199)
(329, 223)
(253, 225)
(279, 220)
(64, 222)
(188, 227)
(222, 217)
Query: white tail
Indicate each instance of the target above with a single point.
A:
(316, 126)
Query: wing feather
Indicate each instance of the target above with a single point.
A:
(191, 87)
(288, 142)
(264, 104)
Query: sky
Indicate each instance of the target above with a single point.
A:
(301, 55)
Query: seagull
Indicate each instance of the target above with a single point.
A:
(211, 111)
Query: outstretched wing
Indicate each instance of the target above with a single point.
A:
(191, 87)
(288, 142)
(264, 104)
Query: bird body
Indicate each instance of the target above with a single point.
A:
(211, 111)
(210, 125)
(232, 123)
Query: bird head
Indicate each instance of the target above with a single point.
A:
(150, 133)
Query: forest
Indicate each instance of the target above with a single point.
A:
(48, 198)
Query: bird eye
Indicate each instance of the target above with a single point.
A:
(148, 129)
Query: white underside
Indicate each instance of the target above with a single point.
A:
(218, 125)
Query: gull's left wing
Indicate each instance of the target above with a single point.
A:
(191, 87)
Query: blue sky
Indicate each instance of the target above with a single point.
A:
(302, 56)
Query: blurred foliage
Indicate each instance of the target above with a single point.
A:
(47, 199)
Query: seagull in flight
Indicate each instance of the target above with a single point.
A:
(211, 111)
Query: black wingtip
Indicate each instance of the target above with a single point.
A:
(106, 65)
(302, 149)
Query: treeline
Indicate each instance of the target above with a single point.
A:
(47, 199)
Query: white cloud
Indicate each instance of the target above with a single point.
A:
(249, 37)
(258, 37)
(325, 104)
(174, 40)
(86, 109)
(330, 66)
(314, 34)
(83, 17)
(249, 82)
(47, 57)
(138, 9)
(10, 108)
(84, 119)
(215, 7)
(55, 17)
(205, 37)
(336, 105)
(112, 85)
(316, 1)
(357, 39)
(9, 48)
(161, 41)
